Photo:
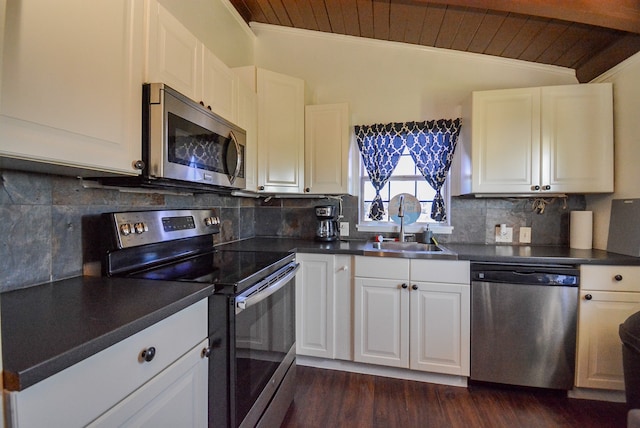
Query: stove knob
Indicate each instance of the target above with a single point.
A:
(140, 227)
(125, 229)
(208, 221)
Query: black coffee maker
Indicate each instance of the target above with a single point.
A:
(327, 229)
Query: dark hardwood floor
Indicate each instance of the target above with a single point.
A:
(329, 398)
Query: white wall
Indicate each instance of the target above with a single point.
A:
(626, 108)
(389, 81)
(217, 24)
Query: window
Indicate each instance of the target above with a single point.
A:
(405, 157)
(405, 179)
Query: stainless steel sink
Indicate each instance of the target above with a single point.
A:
(408, 250)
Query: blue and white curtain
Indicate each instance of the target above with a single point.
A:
(431, 145)
(380, 147)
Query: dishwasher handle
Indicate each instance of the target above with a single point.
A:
(570, 278)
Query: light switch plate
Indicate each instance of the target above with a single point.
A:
(507, 236)
(344, 228)
(525, 235)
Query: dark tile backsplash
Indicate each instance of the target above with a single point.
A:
(50, 224)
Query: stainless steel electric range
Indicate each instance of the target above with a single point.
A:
(251, 312)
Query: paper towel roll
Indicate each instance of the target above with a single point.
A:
(581, 230)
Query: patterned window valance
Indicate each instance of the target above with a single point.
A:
(431, 144)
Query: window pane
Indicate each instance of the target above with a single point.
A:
(425, 191)
(425, 216)
(398, 187)
(369, 191)
(406, 166)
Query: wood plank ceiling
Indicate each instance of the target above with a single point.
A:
(590, 36)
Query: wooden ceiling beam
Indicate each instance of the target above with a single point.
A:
(621, 15)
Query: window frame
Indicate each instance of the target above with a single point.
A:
(443, 227)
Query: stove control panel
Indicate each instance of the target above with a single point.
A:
(148, 227)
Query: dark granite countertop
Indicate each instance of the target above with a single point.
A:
(50, 327)
(472, 252)
(47, 328)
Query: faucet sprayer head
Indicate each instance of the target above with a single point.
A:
(401, 206)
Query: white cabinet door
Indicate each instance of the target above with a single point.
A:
(177, 58)
(72, 83)
(315, 289)
(440, 328)
(326, 149)
(343, 307)
(505, 140)
(381, 322)
(280, 132)
(219, 86)
(247, 119)
(175, 397)
(174, 54)
(323, 306)
(599, 360)
(556, 139)
(577, 138)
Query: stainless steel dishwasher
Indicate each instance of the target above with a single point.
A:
(523, 324)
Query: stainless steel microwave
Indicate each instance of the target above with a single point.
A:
(184, 141)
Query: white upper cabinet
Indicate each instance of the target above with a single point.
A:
(326, 166)
(556, 139)
(173, 53)
(219, 86)
(577, 138)
(281, 101)
(177, 58)
(72, 84)
(247, 119)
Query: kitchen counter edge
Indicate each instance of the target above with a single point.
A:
(532, 254)
(49, 327)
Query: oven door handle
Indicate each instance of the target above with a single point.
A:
(245, 302)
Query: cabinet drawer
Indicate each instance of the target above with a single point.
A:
(382, 267)
(610, 278)
(82, 392)
(447, 271)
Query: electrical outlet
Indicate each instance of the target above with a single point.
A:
(504, 234)
(525, 235)
(344, 228)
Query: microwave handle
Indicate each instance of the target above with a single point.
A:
(239, 160)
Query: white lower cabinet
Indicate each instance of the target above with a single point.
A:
(439, 328)
(412, 314)
(118, 387)
(608, 296)
(323, 306)
(175, 397)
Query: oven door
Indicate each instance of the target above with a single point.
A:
(264, 345)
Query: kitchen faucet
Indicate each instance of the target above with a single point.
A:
(401, 215)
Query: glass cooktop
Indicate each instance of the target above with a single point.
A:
(230, 271)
